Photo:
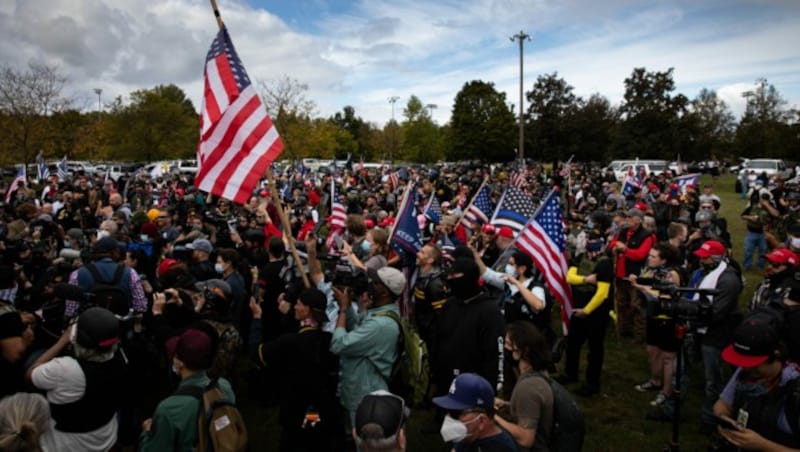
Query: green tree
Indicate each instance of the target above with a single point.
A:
(357, 128)
(27, 98)
(552, 108)
(422, 141)
(591, 129)
(481, 125)
(764, 129)
(286, 102)
(709, 126)
(651, 116)
(158, 123)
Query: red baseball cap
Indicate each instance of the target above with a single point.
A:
(506, 232)
(782, 256)
(488, 229)
(711, 248)
(754, 341)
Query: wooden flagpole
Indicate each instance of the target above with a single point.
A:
(287, 229)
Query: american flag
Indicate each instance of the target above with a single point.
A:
(631, 185)
(544, 240)
(43, 172)
(514, 210)
(480, 210)
(338, 218)
(394, 179)
(434, 209)
(62, 169)
(238, 141)
(518, 180)
(20, 179)
(684, 181)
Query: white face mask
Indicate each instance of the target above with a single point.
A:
(102, 233)
(144, 237)
(795, 242)
(453, 430)
(511, 270)
(218, 268)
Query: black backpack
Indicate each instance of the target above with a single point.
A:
(569, 424)
(109, 294)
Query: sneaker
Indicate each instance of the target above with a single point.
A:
(647, 386)
(660, 398)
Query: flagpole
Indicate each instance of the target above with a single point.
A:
(399, 210)
(287, 229)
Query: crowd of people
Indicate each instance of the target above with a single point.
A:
(121, 301)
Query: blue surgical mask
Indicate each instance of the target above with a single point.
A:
(366, 245)
(511, 270)
(144, 237)
(218, 268)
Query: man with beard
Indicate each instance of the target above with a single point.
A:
(591, 279)
(778, 278)
(470, 330)
(758, 409)
(429, 293)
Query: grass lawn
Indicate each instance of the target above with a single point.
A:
(615, 418)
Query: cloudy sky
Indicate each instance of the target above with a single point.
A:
(362, 52)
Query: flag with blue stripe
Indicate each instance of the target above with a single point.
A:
(684, 181)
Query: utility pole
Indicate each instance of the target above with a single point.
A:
(521, 37)
(99, 93)
(392, 101)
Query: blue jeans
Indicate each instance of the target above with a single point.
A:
(712, 366)
(753, 240)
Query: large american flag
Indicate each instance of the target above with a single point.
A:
(238, 141)
(514, 210)
(479, 210)
(544, 240)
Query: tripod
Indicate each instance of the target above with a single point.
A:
(680, 335)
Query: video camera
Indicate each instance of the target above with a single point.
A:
(671, 303)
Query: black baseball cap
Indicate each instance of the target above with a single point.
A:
(380, 415)
(98, 328)
(754, 341)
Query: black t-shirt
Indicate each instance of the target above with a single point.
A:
(605, 273)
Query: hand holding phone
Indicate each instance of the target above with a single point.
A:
(727, 423)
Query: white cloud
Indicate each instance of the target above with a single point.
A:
(381, 48)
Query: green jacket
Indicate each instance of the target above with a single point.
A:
(174, 425)
(366, 355)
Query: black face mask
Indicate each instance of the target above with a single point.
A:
(508, 356)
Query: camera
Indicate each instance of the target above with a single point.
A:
(670, 303)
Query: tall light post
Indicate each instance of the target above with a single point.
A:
(430, 108)
(99, 93)
(521, 37)
(392, 101)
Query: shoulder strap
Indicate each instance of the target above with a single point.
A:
(94, 272)
(118, 275)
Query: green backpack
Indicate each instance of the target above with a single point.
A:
(411, 369)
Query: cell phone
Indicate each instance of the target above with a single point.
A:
(742, 418)
(726, 423)
(338, 241)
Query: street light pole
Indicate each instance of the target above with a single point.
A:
(99, 92)
(392, 101)
(521, 37)
(430, 108)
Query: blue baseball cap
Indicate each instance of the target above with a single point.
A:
(467, 391)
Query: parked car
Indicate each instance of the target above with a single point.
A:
(770, 167)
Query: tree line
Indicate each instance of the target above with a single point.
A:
(652, 121)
